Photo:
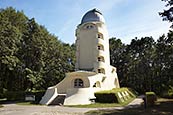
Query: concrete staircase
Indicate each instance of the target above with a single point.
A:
(59, 100)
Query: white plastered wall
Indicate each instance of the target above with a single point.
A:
(75, 96)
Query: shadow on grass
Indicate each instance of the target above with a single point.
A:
(162, 107)
(1, 106)
(19, 102)
(5, 101)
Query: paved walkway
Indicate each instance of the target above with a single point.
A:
(13, 109)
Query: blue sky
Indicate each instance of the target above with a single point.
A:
(125, 19)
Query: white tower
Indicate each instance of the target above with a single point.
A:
(93, 70)
(92, 43)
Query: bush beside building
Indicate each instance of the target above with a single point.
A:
(117, 95)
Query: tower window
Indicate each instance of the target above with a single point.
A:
(97, 84)
(100, 47)
(101, 58)
(78, 83)
(99, 71)
(99, 35)
(102, 70)
(89, 26)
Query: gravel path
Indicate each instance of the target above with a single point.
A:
(13, 109)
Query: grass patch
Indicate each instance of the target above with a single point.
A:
(162, 107)
(102, 105)
(96, 105)
(5, 101)
(1, 100)
(26, 103)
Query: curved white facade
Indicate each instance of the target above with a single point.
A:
(93, 70)
(91, 42)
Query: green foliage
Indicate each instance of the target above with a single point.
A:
(168, 92)
(30, 57)
(20, 95)
(167, 14)
(144, 65)
(15, 95)
(106, 97)
(112, 96)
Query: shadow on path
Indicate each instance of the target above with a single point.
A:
(162, 107)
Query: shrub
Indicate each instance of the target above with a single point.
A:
(106, 98)
(20, 95)
(1, 95)
(15, 95)
(114, 95)
(151, 98)
(168, 93)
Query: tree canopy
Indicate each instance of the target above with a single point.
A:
(167, 14)
(30, 57)
(144, 64)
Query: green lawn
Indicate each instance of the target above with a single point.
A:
(4, 100)
(26, 103)
(101, 105)
(162, 107)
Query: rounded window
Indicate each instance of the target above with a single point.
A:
(101, 59)
(101, 70)
(78, 83)
(100, 35)
(97, 84)
(100, 47)
(89, 26)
